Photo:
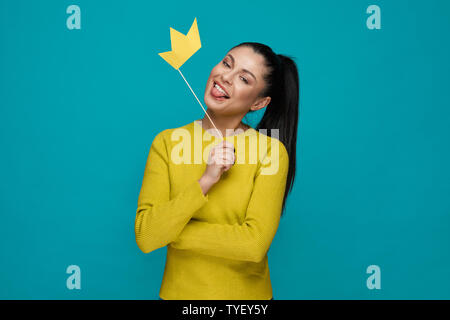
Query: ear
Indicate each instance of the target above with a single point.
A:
(262, 103)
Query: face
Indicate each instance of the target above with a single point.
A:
(240, 74)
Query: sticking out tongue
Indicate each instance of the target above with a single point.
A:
(218, 94)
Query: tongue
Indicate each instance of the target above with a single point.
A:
(216, 93)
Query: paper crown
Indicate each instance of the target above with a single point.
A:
(183, 47)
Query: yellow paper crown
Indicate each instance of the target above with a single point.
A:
(183, 47)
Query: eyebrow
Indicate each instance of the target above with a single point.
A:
(245, 70)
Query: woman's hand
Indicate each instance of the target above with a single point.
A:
(221, 158)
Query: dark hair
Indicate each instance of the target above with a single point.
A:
(282, 112)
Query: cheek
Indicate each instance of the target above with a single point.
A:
(215, 70)
(245, 92)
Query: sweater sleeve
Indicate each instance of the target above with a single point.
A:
(251, 240)
(159, 219)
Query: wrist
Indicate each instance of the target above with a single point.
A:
(207, 180)
(206, 183)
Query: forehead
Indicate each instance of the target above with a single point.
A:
(246, 58)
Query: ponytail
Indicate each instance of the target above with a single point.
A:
(283, 110)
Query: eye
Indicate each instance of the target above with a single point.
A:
(245, 80)
(226, 64)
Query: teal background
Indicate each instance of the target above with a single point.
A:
(79, 110)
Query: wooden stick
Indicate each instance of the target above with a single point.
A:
(201, 105)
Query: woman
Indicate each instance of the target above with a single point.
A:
(218, 217)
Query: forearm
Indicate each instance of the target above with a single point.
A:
(205, 184)
(159, 223)
(247, 242)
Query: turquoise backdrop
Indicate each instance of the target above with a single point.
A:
(80, 108)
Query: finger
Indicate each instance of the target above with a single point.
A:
(227, 155)
(228, 148)
(221, 144)
(219, 160)
(225, 144)
(230, 157)
(224, 161)
(228, 144)
(224, 151)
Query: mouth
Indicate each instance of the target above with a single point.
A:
(218, 93)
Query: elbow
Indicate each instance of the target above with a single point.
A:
(143, 240)
(148, 242)
(141, 243)
(144, 243)
(149, 236)
(143, 248)
(148, 246)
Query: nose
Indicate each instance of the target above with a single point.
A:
(226, 77)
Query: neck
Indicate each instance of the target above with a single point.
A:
(223, 123)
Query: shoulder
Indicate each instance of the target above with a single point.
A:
(274, 156)
(165, 136)
(273, 144)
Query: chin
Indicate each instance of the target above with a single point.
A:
(213, 104)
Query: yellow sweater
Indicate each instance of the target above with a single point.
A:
(217, 243)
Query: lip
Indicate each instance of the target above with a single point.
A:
(214, 97)
(221, 87)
